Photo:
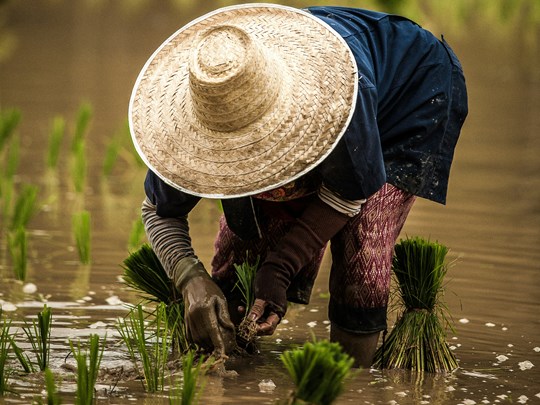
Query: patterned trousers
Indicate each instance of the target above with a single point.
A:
(361, 261)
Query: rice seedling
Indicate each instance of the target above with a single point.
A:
(318, 370)
(9, 120)
(136, 236)
(81, 230)
(22, 356)
(53, 397)
(17, 243)
(147, 348)
(120, 145)
(418, 340)
(84, 115)
(25, 206)
(111, 156)
(6, 193)
(188, 393)
(144, 273)
(13, 158)
(4, 349)
(88, 362)
(78, 169)
(246, 276)
(247, 330)
(39, 336)
(56, 135)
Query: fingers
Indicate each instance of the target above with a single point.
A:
(268, 327)
(257, 310)
(223, 316)
(210, 327)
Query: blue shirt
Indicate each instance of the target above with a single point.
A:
(411, 105)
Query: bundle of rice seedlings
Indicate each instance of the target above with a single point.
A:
(144, 273)
(318, 370)
(418, 339)
(247, 330)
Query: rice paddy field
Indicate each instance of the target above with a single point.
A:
(71, 189)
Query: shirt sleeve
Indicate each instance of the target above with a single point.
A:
(340, 204)
(168, 236)
(165, 217)
(169, 202)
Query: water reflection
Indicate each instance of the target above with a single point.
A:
(62, 52)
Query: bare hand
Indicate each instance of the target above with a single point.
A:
(267, 321)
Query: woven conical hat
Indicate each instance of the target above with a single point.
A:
(243, 100)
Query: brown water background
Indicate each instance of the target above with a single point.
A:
(56, 54)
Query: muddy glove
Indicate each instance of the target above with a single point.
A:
(207, 320)
(308, 235)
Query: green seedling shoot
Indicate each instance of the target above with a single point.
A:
(88, 362)
(318, 370)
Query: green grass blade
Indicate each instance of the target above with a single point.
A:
(23, 358)
(136, 235)
(82, 230)
(9, 120)
(17, 246)
(25, 206)
(5, 372)
(53, 397)
(56, 135)
(79, 166)
(44, 326)
(13, 158)
(84, 115)
(149, 356)
(88, 362)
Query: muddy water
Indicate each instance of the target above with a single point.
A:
(63, 53)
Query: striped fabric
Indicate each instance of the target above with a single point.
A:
(169, 237)
(347, 207)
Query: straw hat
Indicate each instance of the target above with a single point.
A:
(242, 100)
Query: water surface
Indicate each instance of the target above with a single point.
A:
(64, 53)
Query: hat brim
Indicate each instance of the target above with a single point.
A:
(305, 123)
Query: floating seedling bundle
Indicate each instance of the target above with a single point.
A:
(418, 339)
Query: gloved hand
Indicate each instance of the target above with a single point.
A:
(308, 235)
(207, 319)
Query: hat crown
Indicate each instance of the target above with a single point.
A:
(233, 80)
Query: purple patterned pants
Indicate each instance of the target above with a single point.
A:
(361, 260)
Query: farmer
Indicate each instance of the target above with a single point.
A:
(311, 126)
